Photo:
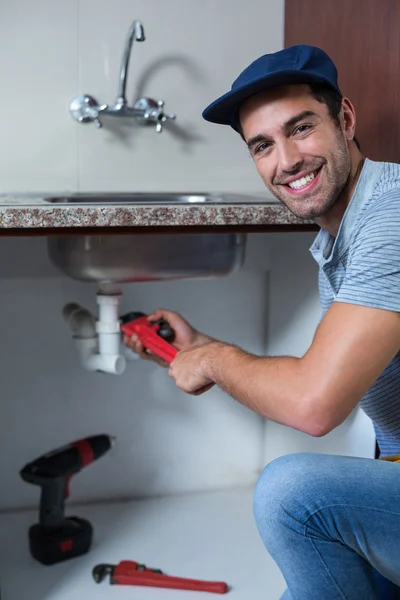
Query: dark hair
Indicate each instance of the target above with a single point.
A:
(323, 93)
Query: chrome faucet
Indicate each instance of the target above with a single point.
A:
(86, 109)
(136, 32)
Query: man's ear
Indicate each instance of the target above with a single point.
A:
(348, 119)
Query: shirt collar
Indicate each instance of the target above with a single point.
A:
(326, 246)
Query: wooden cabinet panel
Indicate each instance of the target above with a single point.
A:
(363, 39)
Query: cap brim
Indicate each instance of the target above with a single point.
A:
(224, 110)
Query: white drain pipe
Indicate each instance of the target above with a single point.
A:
(98, 341)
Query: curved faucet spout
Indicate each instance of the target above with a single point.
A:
(136, 32)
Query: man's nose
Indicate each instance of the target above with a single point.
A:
(289, 156)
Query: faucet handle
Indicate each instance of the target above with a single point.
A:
(162, 117)
(151, 111)
(85, 109)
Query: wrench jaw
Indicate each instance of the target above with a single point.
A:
(100, 572)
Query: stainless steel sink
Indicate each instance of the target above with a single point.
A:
(108, 198)
(147, 257)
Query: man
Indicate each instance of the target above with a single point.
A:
(330, 522)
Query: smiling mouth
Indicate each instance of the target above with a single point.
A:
(303, 182)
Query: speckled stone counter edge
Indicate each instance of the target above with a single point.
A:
(16, 217)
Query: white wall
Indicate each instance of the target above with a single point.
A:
(52, 51)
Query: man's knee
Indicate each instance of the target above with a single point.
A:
(280, 493)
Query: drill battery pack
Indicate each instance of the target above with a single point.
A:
(49, 546)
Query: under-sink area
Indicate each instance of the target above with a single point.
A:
(113, 260)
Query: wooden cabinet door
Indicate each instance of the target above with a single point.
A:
(363, 39)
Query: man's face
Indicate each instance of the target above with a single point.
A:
(300, 152)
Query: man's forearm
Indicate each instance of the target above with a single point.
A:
(276, 388)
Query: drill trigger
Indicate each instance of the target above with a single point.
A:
(67, 484)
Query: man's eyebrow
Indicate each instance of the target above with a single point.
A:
(297, 118)
(285, 127)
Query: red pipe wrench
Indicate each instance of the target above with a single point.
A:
(150, 334)
(129, 572)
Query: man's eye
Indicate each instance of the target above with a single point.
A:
(302, 129)
(262, 147)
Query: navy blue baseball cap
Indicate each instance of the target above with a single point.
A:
(296, 64)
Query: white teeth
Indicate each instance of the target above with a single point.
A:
(299, 183)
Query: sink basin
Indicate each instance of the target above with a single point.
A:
(146, 257)
(153, 198)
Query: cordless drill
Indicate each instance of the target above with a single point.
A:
(56, 537)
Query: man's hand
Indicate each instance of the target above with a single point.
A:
(186, 336)
(189, 369)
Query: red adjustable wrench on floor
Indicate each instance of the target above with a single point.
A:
(149, 334)
(129, 572)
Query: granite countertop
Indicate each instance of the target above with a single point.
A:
(33, 211)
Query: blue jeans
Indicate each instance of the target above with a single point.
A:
(332, 525)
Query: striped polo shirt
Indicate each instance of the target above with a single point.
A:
(362, 266)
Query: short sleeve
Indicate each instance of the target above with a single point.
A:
(373, 266)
